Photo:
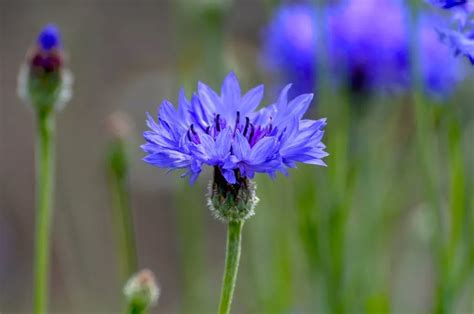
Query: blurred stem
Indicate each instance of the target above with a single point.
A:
(122, 211)
(426, 143)
(457, 191)
(234, 237)
(44, 186)
(134, 308)
(453, 281)
(333, 214)
(191, 239)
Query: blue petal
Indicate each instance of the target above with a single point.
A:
(263, 150)
(251, 100)
(206, 149)
(184, 106)
(283, 98)
(209, 98)
(223, 143)
(200, 115)
(229, 175)
(168, 159)
(230, 93)
(300, 104)
(241, 146)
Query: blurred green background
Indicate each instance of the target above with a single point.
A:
(387, 227)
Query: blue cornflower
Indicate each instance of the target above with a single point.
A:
(368, 42)
(227, 132)
(289, 45)
(49, 38)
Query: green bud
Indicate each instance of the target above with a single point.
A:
(232, 202)
(44, 81)
(141, 291)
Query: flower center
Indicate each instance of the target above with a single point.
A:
(253, 133)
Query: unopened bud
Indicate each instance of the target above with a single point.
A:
(232, 202)
(44, 82)
(142, 291)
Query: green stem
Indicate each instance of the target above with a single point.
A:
(425, 140)
(234, 236)
(136, 309)
(44, 182)
(122, 211)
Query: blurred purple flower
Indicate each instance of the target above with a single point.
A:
(371, 50)
(434, 55)
(289, 45)
(225, 131)
(368, 48)
(460, 38)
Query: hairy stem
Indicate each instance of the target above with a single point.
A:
(234, 236)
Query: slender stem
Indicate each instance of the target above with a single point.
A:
(44, 182)
(234, 236)
(122, 211)
(125, 228)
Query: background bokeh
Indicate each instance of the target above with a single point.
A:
(353, 237)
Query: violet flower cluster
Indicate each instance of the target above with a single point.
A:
(367, 51)
(228, 132)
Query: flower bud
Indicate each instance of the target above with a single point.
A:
(119, 125)
(232, 202)
(141, 291)
(43, 81)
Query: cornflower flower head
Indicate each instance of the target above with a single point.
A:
(368, 48)
(289, 45)
(44, 81)
(228, 133)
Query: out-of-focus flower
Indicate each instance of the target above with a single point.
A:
(289, 45)
(368, 42)
(372, 51)
(460, 37)
(44, 82)
(141, 291)
(434, 56)
(227, 132)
